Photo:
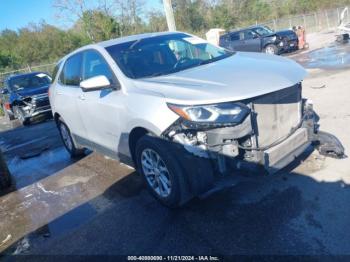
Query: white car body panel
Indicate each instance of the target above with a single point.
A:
(106, 117)
(242, 76)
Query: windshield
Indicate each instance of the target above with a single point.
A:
(263, 30)
(163, 55)
(29, 81)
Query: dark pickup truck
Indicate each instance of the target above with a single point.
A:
(25, 96)
(260, 39)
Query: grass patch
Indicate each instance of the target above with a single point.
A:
(1, 111)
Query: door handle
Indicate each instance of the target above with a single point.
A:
(82, 97)
(59, 93)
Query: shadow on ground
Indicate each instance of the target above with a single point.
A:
(286, 214)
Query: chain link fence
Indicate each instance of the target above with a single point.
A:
(48, 68)
(312, 22)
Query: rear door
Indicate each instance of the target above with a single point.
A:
(234, 42)
(67, 92)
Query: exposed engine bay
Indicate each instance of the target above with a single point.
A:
(277, 129)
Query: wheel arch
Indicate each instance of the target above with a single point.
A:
(56, 117)
(134, 136)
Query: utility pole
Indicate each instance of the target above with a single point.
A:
(169, 14)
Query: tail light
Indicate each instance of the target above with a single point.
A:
(7, 106)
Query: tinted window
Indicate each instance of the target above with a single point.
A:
(235, 37)
(162, 55)
(263, 30)
(248, 35)
(71, 73)
(29, 81)
(95, 65)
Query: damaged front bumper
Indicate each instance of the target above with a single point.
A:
(33, 106)
(237, 147)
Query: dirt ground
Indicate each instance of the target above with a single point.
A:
(97, 206)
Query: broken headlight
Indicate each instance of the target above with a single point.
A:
(223, 113)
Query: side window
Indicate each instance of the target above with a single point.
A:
(95, 65)
(71, 72)
(248, 35)
(234, 37)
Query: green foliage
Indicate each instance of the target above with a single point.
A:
(43, 43)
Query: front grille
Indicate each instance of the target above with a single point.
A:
(277, 114)
(41, 100)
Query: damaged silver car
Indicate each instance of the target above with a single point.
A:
(185, 113)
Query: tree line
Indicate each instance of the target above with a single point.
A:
(44, 43)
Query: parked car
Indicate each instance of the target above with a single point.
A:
(182, 111)
(260, 39)
(25, 96)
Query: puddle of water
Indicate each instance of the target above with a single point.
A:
(335, 56)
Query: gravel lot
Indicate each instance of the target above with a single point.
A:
(97, 206)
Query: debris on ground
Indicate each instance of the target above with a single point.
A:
(318, 87)
(329, 145)
(9, 236)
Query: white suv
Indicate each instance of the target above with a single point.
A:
(185, 112)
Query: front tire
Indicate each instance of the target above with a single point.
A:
(161, 172)
(271, 49)
(25, 121)
(68, 141)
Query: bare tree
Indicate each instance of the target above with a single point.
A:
(129, 13)
(70, 10)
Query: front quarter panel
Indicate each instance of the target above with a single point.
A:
(147, 110)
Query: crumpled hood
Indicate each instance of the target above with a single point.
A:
(239, 77)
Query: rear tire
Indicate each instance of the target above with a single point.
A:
(160, 170)
(271, 49)
(68, 141)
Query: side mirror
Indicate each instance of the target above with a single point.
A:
(255, 36)
(95, 83)
(4, 91)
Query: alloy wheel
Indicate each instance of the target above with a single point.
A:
(156, 172)
(270, 50)
(66, 137)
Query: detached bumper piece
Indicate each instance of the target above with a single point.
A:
(284, 153)
(328, 145)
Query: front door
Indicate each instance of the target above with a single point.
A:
(67, 93)
(251, 41)
(100, 109)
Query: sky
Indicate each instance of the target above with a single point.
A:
(15, 14)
